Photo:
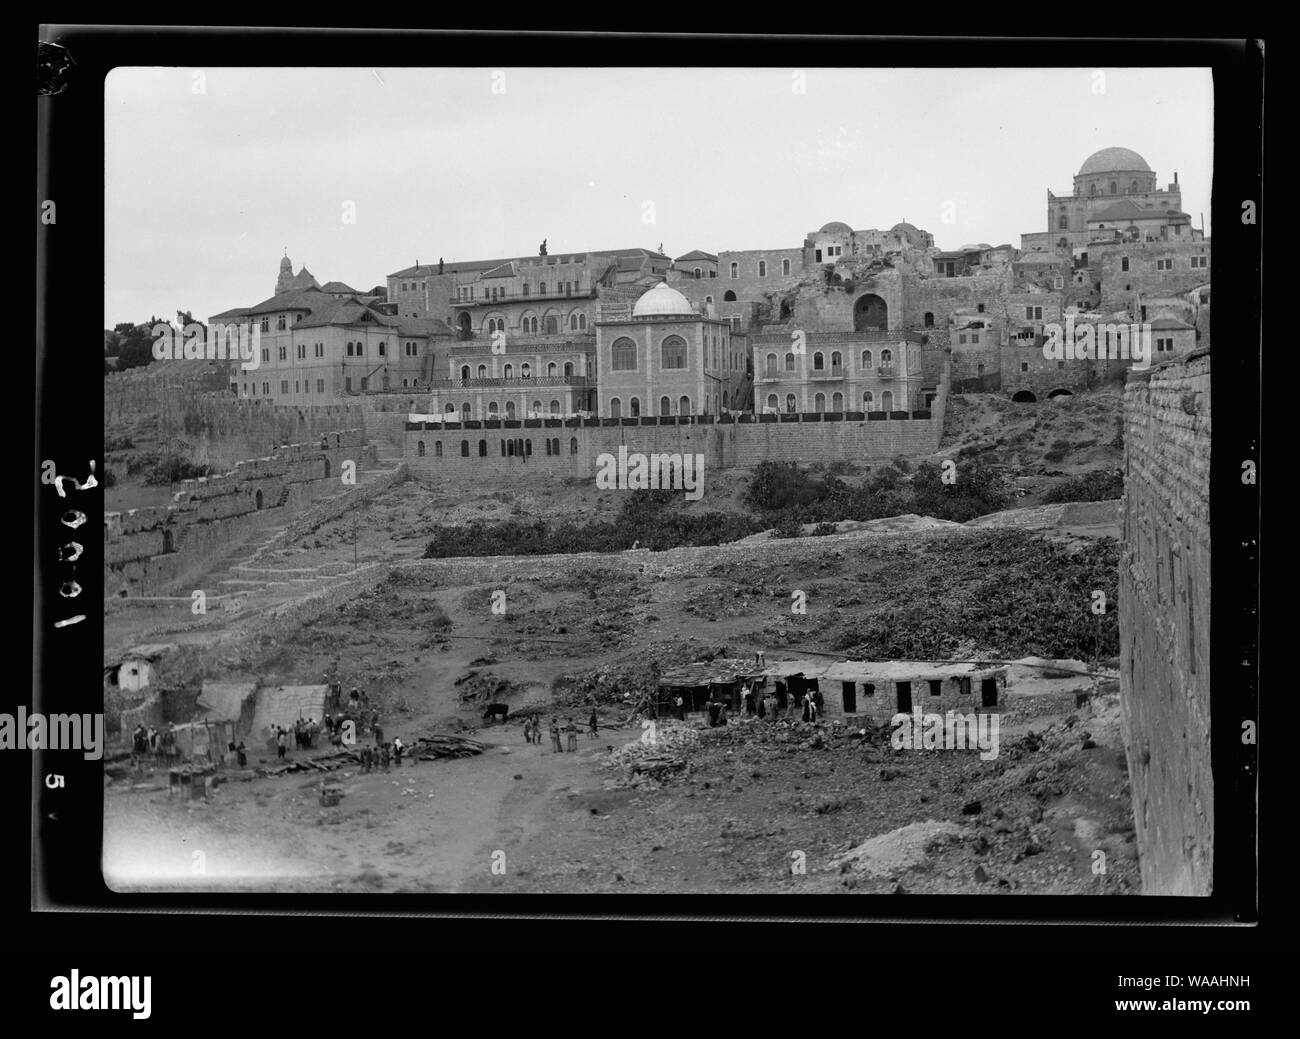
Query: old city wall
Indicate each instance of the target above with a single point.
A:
(148, 550)
(1164, 611)
(217, 428)
(724, 445)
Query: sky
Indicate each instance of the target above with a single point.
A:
(212, 174)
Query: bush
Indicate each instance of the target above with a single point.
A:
(977, 491)
(173, 468)
(1096, 485)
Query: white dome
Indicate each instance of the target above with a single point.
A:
(662, 300)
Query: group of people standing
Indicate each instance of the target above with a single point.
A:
(161, 744)
(533, 731)
(382, 755)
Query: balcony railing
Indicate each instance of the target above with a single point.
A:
(886, 371)
(513, 297)
(485, 383)
(828, 373)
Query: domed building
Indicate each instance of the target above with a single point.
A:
(1110, 178)
(664, 358)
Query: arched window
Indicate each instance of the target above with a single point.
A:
(551, 370)
(622, 356)
(528, 447)
(673, 352)
(887, 401)
(509, 445)
(568, 369)
(525, 371)
(492, 407)
(665, 406)
(762, 268)
(772, 401)
(419, 448)
(508, 371)
(582, 322)
(634, 407)
(735, 270)
(819, 362)
(929, 319)
(532, 326)
(615, 408)
(464, 412)
(541, 288)
(837, 360)
(437, 449)
(510, 410)
(573, 322)
(555, 409)
(1113, 187)
(886, 357)
(771, 365)
(789, 362)
(790, 403)
(729, 296)
(837, 402)
(684, 406)
(1092, 189)
(464, 449)
(785, 268)
(819, 403)
(868, 401)
(482, 371)
(573, 445)
(464, 371)
(482, 448)
(708, 299)
(866, 359)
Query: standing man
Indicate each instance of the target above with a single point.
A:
(681, 708)
(555, 737)
(595, 724)
(280, 742)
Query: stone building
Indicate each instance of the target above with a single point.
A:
(320, 342)
(665, 357)
(543, 294)
(1119, 183)
(837, 372)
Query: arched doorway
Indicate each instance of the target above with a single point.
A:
(1024, 397)
(465, 325)
(870, 311)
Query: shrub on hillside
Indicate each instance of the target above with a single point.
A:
(1096, 485)
(977, 491)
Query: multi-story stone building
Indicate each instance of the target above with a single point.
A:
(838, 372)
(319, 342)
